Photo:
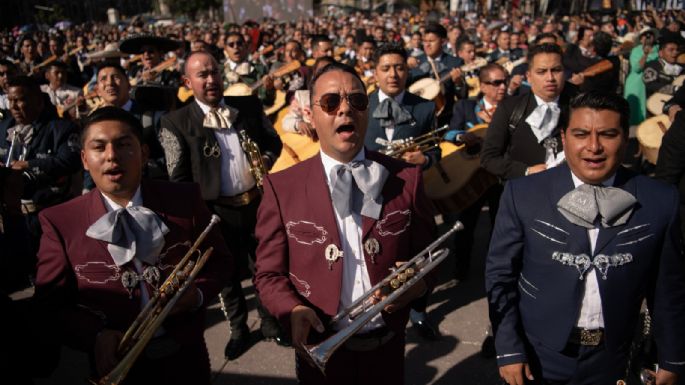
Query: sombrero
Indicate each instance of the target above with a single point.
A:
(111, 51)
(135, 44)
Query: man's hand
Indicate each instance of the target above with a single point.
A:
(514, 84)
(302, 318)
(189, 301)
(537, 168)
(20, 165)
(485, 116)
(414, 292)
(513, 374)
(106, 345)
(415, 157)
(664, 377)
(305, 129)
(412, 62)
(268, 82)
(672, 111)
(455, 74)
(577, 79)
(149, 76)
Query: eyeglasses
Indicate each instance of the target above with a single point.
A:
(330, 103)
(496, 82)
(235, 44)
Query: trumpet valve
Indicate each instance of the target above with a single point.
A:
(395, 283)
(410, 272)
(402, 277)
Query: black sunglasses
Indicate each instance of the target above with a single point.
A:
(497, 82)
(235, 44)
(330, 103)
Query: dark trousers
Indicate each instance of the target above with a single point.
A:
(384, 365)
(189, 365)
(237, 227)
(577, 365)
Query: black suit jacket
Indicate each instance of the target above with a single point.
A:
(185, 139)
(423, 112)
(464, 113)
(508, 152)
(574, 60)
(670, 166)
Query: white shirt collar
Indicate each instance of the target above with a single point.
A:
(540, 101)
(205, 107)
(329, 163)
(231, 64)
(382, 96)
(110, 205)
(127, 106)
(487, 104)
(606, 183)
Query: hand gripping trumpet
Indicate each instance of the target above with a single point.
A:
(254, 156)
(423, 143)
(157, 309)
(363, 309)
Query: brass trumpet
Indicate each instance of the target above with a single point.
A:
(364, 309)
(254, 156)
(156, 310)
(423, 143)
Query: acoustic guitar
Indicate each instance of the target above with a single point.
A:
(431, 89)
(650, 133)
(457, 181)
(242, 89)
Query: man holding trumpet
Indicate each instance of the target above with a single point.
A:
(325, 241)
(104, 254)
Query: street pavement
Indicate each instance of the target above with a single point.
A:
(458, 308)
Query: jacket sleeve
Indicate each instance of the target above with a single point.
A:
(56, 289)
(422, 224)
(502, 268)
(176, 151)
(668, 313)
(270, 143)
(272, 279)
(433, 154)
(44, 172)
(494, 157)
(670, 166)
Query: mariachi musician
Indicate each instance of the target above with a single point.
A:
(396, 114)
(659, 74)
(204, 142)
(239, 69)
(437, 64)
(96, 270)
(62, 95)
(152, 50)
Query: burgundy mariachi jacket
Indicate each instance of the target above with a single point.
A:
(296, 223)
(76, 274)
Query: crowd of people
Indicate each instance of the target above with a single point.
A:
(326, 148)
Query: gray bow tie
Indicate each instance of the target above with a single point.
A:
(220, 118)
(369, 177)
(23, 133)
(131, 232)
(391, 113)
(582, 205)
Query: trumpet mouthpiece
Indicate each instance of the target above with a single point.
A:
(458, 226)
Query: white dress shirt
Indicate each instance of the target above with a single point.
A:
(551, 159)
(390, 130)
(590, 315)
(355, 279)
(63, 95)
(235, 168)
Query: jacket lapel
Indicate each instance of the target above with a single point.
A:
(374, 127)
(317, 191)
(96, 209)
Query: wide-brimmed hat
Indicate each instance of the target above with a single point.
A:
(651, 30)
(111, 51)
(135, 44)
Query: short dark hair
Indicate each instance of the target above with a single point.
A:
(316, 39)
(58, 64)
(436, 29)
(392, 48)
(602, 42)
(109, 64)
(581, 32)
(543, 48)
(11, 66)
(368, 39)
(234, 33)
(113, 114)
(464, 42)
(335, 66)
(484, 74)
(600, 100)
(24, 81)
(546, 35)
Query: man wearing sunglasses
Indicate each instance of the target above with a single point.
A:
(239, 69)
(328, 238)
(203, 143)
